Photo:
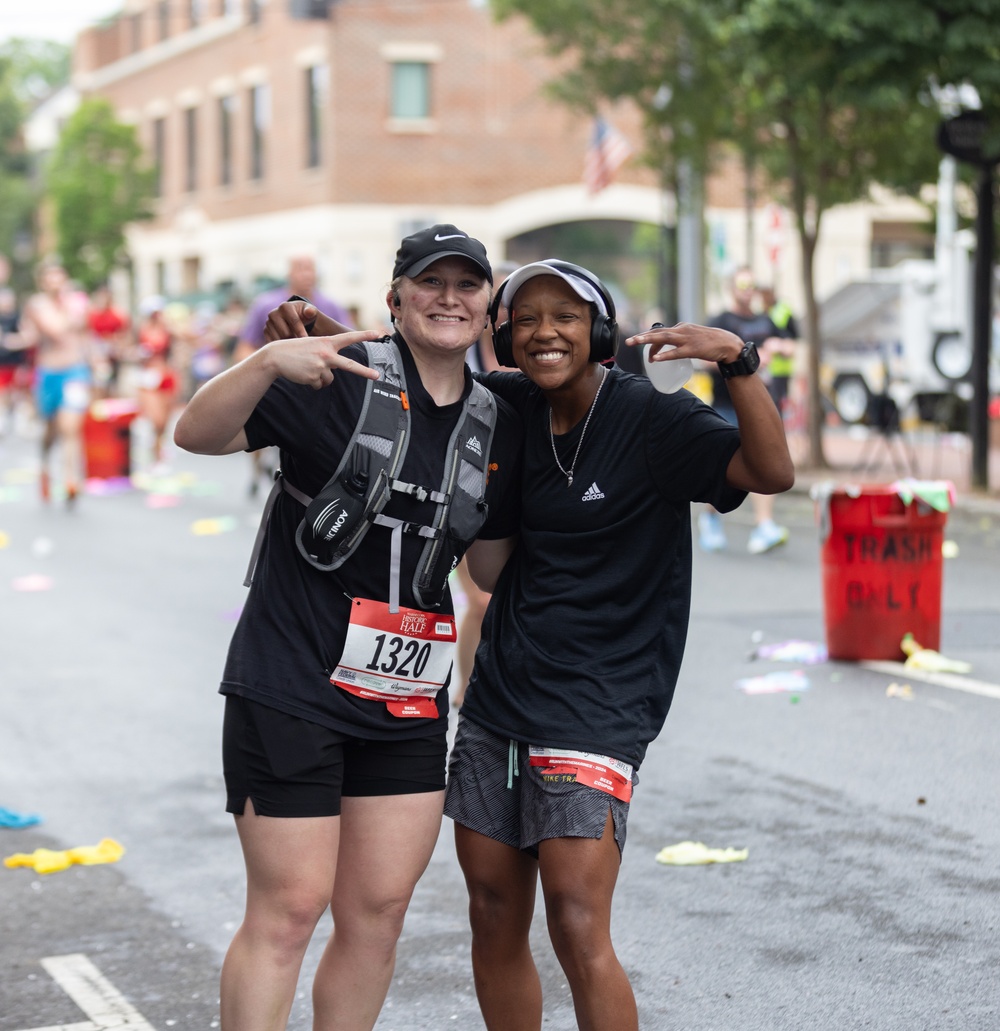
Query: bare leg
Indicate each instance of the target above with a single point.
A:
(766, 533)
(69, 429)
(578, 880)
(386, 843)
(763, 507)
(501, 881)
(49, 435)
(290, 877)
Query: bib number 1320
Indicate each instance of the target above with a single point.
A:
(393, 655)
(397, 655)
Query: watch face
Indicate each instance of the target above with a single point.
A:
(747, 363)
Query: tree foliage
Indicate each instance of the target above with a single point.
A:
(827, 97)
(99, 183)
(29, 70)
(38, 67)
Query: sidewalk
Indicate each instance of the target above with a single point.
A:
(857, 454)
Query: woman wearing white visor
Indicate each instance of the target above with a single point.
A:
(583, 640)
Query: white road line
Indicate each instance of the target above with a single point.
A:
(94, 994)
(951, 680)
(88, 1026)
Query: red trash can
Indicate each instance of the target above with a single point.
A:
(107, 438)
(882, 571)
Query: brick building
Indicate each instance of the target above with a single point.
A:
(337, 133)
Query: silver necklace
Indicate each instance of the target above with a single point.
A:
(552, 436)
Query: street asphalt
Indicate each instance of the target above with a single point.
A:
(866, 797)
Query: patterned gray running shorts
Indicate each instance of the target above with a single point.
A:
(494, 791)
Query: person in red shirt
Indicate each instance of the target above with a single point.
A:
(109, 328)
(158, 380)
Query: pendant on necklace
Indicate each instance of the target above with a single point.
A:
(569, 480)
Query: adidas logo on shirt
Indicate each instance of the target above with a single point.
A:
(473, 445)
(592, 493)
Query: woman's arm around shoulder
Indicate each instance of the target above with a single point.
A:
(486, 559)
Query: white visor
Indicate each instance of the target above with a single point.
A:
(581, 287)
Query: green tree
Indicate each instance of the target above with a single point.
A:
(38, 66)
(29, 69)
(16, 193)
(826, 97)
(99, 183)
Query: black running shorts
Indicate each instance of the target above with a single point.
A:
(292, 767)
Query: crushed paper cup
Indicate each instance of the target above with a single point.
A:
(696, 853)
(33, 582)
(793, 680)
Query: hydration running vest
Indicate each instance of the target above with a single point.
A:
(351, 502)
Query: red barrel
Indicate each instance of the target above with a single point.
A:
(882, 572)
(107, 438)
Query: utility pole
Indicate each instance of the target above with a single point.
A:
(968, 137)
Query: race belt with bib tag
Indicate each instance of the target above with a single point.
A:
(402, 658)
(595, 771)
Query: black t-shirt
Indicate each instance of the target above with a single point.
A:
(292, 630)
(584, 636)
(15, 355)
(751, 329)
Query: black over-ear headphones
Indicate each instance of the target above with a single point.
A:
(604, 334)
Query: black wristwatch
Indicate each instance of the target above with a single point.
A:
(746, 364)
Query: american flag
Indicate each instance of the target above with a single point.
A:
(606, 153)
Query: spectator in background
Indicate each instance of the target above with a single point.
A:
(301, 283)
(15, 360)
(55, 323)
(109, 332)
(781, 365)
(756, 328)
(208, 356)
(228, 323)
(158, 379)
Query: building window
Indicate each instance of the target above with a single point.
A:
(135, 24)
(230, 8)
(163, 20)
(227, 107)
(195, 11)
(259, 115)
(316, 81)
(411, 89)
(191, 149)
(893, 242)
(161, 277)
(159, 152)
(191, 275)
(255, 11)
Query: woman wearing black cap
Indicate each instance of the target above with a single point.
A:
(334, 739)
(583, 639)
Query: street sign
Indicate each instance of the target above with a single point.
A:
(970, 137)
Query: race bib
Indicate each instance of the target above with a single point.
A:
(595, 771)
(76, 395)
(401, 658)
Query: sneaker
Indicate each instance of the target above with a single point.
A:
(711, 535)
(766, 536)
